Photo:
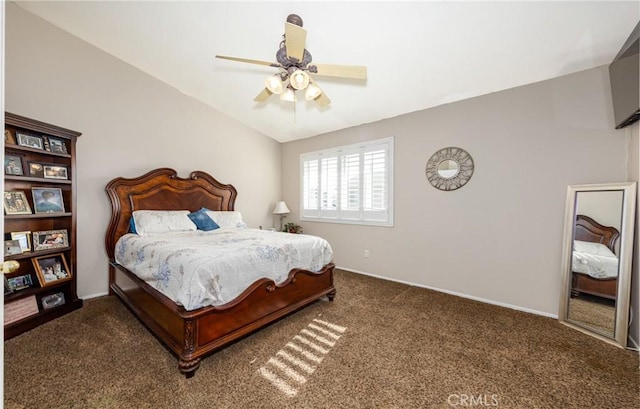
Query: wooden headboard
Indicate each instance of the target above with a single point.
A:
(162, 189)
(588, 229)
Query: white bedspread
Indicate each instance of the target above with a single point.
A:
(197, 269)
(594, 259)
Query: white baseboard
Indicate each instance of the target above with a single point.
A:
(471, 297)
(90, 296)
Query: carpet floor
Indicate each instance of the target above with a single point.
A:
(380, 344)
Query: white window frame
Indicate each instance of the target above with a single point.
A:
(315, 212)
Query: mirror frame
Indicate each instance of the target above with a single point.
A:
(461, 178)
(623, 290)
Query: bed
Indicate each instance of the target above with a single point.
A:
(594, 264)
(193, 334)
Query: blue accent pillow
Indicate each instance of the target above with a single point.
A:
(202, 220)
(132, 225)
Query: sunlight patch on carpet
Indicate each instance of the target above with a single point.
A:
(292, 365)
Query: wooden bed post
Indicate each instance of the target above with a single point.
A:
(188, 366)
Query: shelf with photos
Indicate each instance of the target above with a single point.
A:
(35, 168)
(39, 201)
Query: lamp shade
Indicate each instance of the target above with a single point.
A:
(281, 208)
(274, 84)
(299, 79)
(288, 95)
(312, 92)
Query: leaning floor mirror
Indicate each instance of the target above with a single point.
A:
(597, 255)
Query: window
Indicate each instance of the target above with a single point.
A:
(349, 184)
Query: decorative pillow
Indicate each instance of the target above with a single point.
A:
(202, 220)
(227, 220)
(162, 221)
(132, 226)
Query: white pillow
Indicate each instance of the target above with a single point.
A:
(595, 249)
(162, 221)
(227, 220)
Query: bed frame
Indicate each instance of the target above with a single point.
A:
(588, 229)
(193, 334)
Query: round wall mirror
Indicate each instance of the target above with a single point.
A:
(449, 168)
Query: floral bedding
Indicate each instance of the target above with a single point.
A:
(594, 259)
(201, 268)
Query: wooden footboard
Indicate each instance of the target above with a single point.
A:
(193, 334)
(582, 283)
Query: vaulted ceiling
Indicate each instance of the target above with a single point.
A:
(418, 54)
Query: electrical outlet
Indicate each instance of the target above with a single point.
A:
(366, 254)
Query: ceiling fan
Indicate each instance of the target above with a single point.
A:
(294, 63)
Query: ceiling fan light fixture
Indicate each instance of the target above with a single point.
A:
(299, 79)
(288, 95)
(274, 84)
(312, 92)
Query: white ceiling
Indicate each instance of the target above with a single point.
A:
(418, 54)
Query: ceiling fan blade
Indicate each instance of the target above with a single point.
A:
(261, 97)
(344, 71)
(323, 100)
(270, 64)
(295, 37)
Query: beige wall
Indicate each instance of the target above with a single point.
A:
(498, 238)
(131, 123)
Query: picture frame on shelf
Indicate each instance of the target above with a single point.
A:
(50, 239)
(47, 200)
(30, 141)
(12, 247)
(13, 165)
(51, 269)
(20, 282)
(55, 172)
(57, 145)
(24, 238)
(15, 202)
(7, 287)
(36, 170)
(9, 137)
(52, 300)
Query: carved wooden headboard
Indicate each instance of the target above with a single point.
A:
(162, 189)
(588, 229)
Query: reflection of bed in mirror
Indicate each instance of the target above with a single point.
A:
(595, 263)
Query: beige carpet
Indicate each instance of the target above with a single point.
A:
(394, 346)
(591, 313)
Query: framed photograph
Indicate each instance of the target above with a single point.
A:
(57, 145)
(15, 202)
(47, 200)
(13, 165)
(50, 239)
(9, 137)
(20, 282)
(52, 300)
(24, 238)
(55, 172)
(30, 141)
(51, 269)
(12, 247)
(36, 170)
(7, 287)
